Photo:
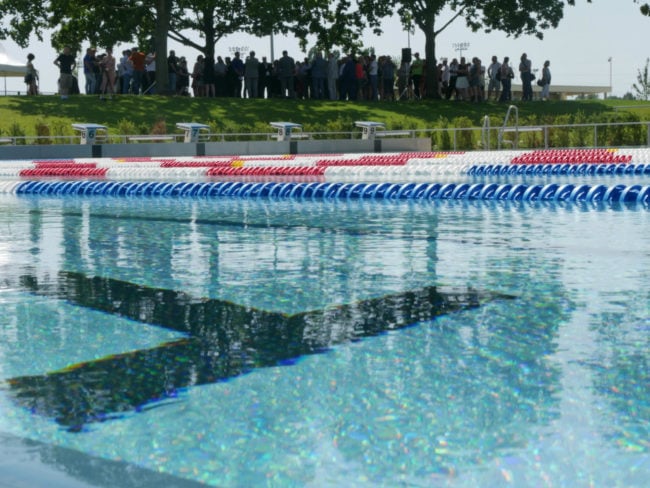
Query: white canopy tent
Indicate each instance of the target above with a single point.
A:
(10, 68)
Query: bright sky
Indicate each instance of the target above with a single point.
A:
(578, 49)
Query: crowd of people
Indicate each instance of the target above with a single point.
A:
(360, 77)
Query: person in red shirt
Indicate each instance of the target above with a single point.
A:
(137, 59)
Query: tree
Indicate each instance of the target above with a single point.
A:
(514, 17)
(107, 23)
(642, 86)
(644, 8)
(101, 23)
(331, 22)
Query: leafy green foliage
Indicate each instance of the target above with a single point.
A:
(250, 117)
(514, 17)
(644, 8)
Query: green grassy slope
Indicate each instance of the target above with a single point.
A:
(139, 114)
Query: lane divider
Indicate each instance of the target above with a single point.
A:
(559, 169)
(635, 194)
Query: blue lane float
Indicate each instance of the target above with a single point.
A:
(344, 191)
(558, 169)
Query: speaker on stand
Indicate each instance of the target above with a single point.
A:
(406, 60)
(406, 55)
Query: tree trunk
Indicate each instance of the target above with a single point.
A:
(163, 17)
(431, 71)
(210, 34)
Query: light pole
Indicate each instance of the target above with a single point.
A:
(610, 75)
(460, 47)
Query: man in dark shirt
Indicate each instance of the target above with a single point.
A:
(238, 67)
(286, 71)
(172, 72)
(66, 63)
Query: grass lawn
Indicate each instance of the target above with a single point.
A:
(27, 115)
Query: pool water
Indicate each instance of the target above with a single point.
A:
(237, 343)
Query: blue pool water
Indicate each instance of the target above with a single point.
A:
(230, 342)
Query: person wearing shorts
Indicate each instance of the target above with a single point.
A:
(66, 64)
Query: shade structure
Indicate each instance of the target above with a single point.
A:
(9, 70)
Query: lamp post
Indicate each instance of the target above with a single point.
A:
(407, 23)
(460, 47)
(609, 60)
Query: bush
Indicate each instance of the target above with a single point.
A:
(61, 131)
(559, 137)
(159, 128)
(581, 136)
(464, 138)
(621, 135)
(440, 138)
(16, 130)
(126, 127)
(42, 133)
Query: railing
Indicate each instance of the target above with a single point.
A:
(628, 134)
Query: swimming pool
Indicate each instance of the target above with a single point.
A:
(281, 341)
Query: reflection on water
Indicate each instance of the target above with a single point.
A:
(224, 340)
(480, 386)
(621, 371)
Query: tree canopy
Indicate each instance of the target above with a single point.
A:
(644, 8)
(333, 23)
(514, 17)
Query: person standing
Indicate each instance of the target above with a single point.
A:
(237, 66)
(150, 68)
(172, 72)
(90, 61)
(373, 74)
(318, 76)
(137, 59)
(182, 77)
(546, 80)
(31, 76)
(252, 75)
(332, 75)
(108, 75)
(417, 69)
(66, 64)
(462, 80)
(197, 77)
(125, 72)
(286, 71)
(494, 85)
(506, 75)
(220, 74)
(209, 78)
(388, 78)
(526, 75)
(443, 70)
(264, 78)
(453, 77)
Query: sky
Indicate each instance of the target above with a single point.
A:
(579, 49)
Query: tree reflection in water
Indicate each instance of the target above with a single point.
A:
(223, 340)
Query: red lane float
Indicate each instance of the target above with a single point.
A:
(571, 156)
(267, 171)
(61, 164)
(64, 172)
(195, 164)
